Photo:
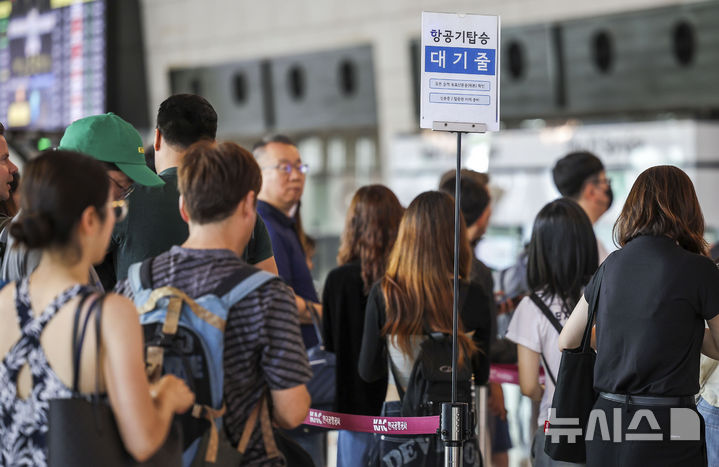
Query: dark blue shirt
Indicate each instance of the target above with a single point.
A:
(290, 259)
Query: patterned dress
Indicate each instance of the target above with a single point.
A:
(23, 422)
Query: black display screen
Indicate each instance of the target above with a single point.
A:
(52, 62)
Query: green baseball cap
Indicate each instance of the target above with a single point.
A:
(109, 138)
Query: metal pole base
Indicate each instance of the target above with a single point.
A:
(454, 429)
(452, 456)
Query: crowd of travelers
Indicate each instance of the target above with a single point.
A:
(178, 297)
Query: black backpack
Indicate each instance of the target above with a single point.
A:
(430, 383)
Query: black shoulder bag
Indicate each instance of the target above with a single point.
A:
(82, 430)
(574, 395)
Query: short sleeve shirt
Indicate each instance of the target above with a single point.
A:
(530, 328)
(153, 225)
(653, 300)
(263, 346)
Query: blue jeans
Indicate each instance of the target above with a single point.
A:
(711, 429)
(352, 448)
(315, 446)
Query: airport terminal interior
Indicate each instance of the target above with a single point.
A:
(632, 83)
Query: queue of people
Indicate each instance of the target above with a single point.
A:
(101, 240)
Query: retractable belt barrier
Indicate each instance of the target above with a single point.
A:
(509, 373)
(399, 425)
(373, 423)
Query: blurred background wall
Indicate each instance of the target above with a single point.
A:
(632, 80)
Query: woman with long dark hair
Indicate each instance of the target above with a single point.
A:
(562, 259)
(654, 296)
(370, 230)
(415, 296)
(68, 212)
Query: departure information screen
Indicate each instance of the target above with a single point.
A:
(52, 62)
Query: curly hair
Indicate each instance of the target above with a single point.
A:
(370, 231)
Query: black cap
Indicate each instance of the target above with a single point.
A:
(571, 171)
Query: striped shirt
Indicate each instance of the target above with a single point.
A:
(263, 344)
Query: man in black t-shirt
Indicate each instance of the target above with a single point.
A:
(153, 224)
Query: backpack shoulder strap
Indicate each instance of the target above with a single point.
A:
(555, 322)
(146, 273)
(260, 411)
(243, 283)
(549, 372)
(546, 311)
(139, 276)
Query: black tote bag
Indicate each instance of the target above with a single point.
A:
(574, 394)
(82, 430)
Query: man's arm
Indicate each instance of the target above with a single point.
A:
(284, 361)
(303, 307)
(290, 406)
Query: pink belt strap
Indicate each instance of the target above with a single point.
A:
(503, 373)
(399, 425)
(373, 424)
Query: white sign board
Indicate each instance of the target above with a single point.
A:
(460, 72)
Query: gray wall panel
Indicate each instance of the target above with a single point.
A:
(533, 92)
(645, 74)
(322, 104)
(217, 84)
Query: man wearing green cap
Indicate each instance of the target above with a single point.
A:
(153, 224)
(110, 139)
(117, 144)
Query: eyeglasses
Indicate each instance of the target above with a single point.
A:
(286, 167)
(124, 191)
(120, 207)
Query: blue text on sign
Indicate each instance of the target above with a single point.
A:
(459, 60)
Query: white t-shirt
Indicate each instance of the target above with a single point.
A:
(530, 328)
(401, 362)
(601, 252)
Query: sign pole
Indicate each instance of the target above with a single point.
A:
(454, 421)
(460, 94)
(455, 305)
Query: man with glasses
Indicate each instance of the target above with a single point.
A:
(283, 181)
(580, 176)
(283, 175)
(118, 146)
(154, 224)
